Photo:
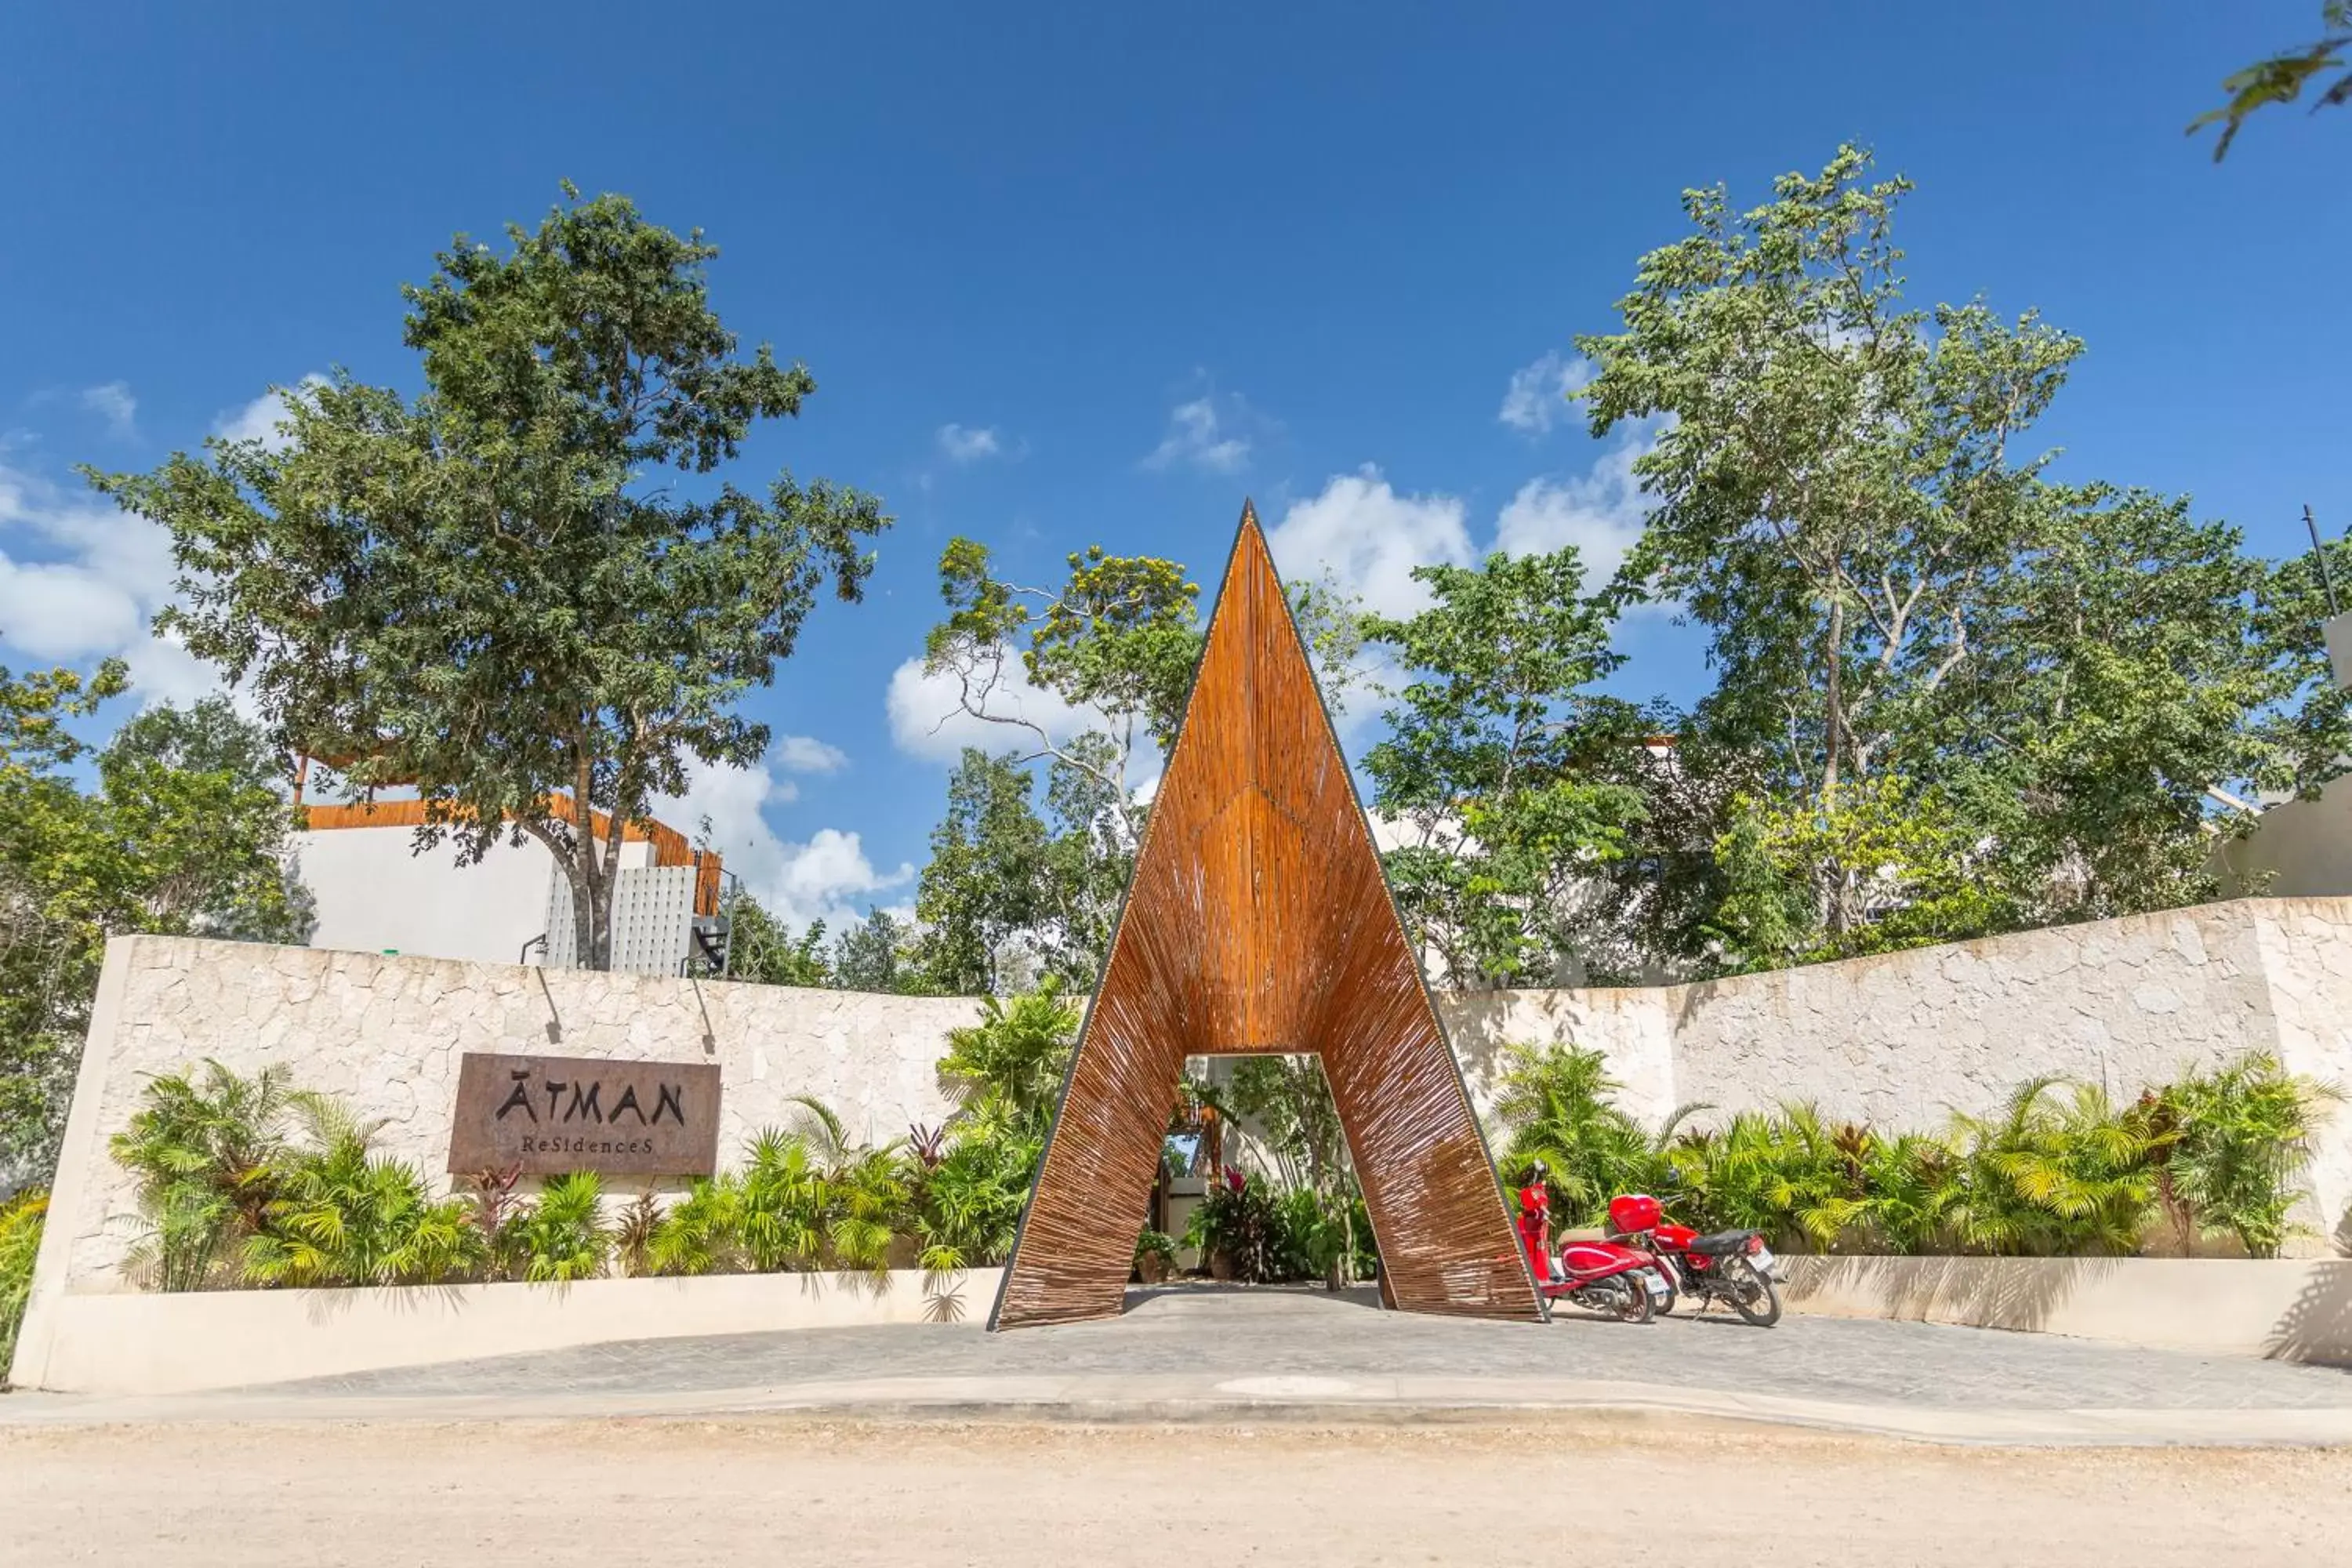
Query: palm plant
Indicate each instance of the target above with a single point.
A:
(702, 1230)
(1798, 1179)
(1007, 1070)
(2044, 1178)
(1019, 1052)
(968, 1207)
(2229, 1148)
(1554, 1106)
(346, 1215)
(867, 1189)
(561, 1236)
(20, 1241)
(205, 1149)
(1911, 1183)
(781, 1204)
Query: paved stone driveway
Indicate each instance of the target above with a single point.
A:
(1278, 1333)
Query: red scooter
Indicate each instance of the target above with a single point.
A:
(1617, 1281)
(1733, 1266)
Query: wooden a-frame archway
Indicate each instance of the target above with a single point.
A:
(1257, 920)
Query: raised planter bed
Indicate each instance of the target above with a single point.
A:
(2289, 1309)
(180, 1342)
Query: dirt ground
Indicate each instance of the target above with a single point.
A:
(785, 1490)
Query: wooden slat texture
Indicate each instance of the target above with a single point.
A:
(1258, 920)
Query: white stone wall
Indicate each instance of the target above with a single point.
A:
(385, 1034)
(1902, 1040)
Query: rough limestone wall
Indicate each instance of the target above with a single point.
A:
(1629, 1027)
(1902, 1039)
(2306, 949)
(384, 1034)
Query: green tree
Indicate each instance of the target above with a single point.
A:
(185, 835)
(489, 592)
(984, 885)
(2091, 681)
(2281, 78)
(1891, 863)
(763, 948)
(875, 955)
(1503, 764)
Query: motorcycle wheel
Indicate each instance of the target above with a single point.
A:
(1635, 1308)
(1755, 1298)
(1665, 1304)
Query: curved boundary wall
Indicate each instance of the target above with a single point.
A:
(1901, 1040)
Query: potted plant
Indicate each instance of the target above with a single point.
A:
(1155, 1255)
(1234, 1228)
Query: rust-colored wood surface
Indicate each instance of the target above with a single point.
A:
(1258, 920)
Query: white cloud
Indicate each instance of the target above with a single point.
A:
(828, 877)
(113, 404)
(103, 575)
(1368, 539)
(1599, 512)
(928, 721)
(259, 419)
(61, 610)
(1537, 398)
(1206, 434)
(966, 446)
(807, 755)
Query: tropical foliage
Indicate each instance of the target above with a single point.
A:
(20, 1241)
(179, 828)
(2057, 1169)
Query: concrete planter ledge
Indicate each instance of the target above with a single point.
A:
(2288, 1308)
(140, 1343)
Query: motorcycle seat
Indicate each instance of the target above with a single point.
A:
(1722, 1243)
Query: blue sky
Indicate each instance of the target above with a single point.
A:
(1161, 257)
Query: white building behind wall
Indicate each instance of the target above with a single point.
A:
(376, 894)
(2299, 849)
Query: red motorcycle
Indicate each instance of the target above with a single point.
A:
(1733, 1266)
(1616, 1281)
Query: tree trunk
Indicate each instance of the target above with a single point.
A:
(1833, 725)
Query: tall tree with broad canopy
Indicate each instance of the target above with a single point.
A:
(491, 592)
(1514, 781)
(2077, 686)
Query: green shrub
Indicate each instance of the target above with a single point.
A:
(1787, 1173)
(701, 1232)
(20, 1242)
(2058, 1170)
(1554, 1104)
(208, 1150)
(2053, 1179)
(347, 1216)
(1241, 1218)
(2230, 1147)
(560, 1236)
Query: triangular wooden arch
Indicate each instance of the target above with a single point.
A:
(1258, 919)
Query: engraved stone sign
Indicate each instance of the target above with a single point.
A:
(548, 1115)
